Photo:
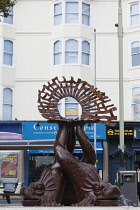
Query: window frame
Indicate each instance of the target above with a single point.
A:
(59, 14)
(85, 14)
(80, 12)
(10, 104)
(79, 52)
(137, 53)
(85, 53)
(72, 52)
(11, 14)
(131, 15)
(9, 53)
(55, 53)
(73, 13)
(133, 103)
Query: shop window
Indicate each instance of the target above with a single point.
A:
(8, 53)
(7, 103)
(135, 52)
(37, 162)
(134, 14)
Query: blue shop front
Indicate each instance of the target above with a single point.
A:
(131, 148)
(43, 133)
(30, 136)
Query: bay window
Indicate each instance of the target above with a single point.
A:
(134, 14)
(85, 14)
(135, 53)
(7, 103)
(8, 53)
(72, 12)
(71, 51)
(9, 19)
(136, 103)
(57, 13)
(85, 52)
(57, 52)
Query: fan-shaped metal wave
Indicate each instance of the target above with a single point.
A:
(95, 107)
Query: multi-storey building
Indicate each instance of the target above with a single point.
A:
(45, 38)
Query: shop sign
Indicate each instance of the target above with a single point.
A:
(116, 132)
(48, 131)
(10, 130)
(39, 130)
(9, 166)
(100, 131)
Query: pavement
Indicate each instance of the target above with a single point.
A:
(16, 205)
(67, 208)
(15, 201)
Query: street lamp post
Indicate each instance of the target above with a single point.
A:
(121, 96)
(95, 141)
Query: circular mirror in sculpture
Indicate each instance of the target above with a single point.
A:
(69, 108)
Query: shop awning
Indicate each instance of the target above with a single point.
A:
(39, 145)
(99, 149)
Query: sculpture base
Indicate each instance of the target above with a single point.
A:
(107, 203)
(30, 203)
(98, 203)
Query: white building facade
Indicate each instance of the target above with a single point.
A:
(44, 38)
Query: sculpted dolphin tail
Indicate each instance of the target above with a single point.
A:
(86, 145)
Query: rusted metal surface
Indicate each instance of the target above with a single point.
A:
(89, 189)
(95, 104)
(88, 185)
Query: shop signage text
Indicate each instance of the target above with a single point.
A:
(44, 130)
(116, 132)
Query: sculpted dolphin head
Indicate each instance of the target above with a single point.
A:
(34, 191)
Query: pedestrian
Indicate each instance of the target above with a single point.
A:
(9, 188)
(137, 167)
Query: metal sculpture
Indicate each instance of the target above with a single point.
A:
(89, 187)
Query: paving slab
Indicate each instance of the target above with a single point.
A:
(70, 208)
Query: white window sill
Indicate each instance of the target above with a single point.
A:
(72, 64)
(134, 68)
(134, 27)
(7, 66)
(71, 24)
(7, 24)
